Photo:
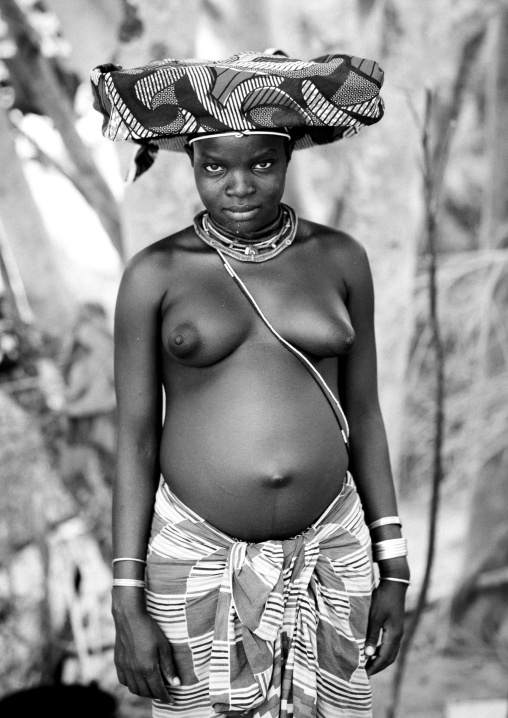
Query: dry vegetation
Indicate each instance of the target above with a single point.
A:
(473, 317)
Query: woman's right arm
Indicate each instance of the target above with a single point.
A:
(142, 653)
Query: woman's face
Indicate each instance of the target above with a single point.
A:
(240, 179)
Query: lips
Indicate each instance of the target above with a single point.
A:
(241, 213)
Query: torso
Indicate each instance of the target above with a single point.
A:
(249, 441)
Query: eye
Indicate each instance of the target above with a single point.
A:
(264, 165)
(213, 168)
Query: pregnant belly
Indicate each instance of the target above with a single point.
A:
(257, 450)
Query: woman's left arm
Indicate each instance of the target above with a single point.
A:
(369, 458)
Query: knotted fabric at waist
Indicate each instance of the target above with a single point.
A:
(276, 627)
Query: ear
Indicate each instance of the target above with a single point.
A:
(189, 149)
(288, 149)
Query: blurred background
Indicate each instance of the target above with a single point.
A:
(425, 190)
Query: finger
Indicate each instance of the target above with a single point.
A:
(122, 678)
(131, 683)
(372, 653)
(167, 664)
(144, 687)
(373, 637)
(386, 652)
(158, 689)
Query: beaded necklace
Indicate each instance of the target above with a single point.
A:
(273, 239)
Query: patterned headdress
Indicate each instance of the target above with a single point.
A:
(158, 105)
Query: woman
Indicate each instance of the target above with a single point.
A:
(259, 576)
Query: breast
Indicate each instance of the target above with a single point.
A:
(200, 334)
(319, 335)
(204, 335)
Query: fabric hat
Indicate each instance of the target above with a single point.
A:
(159, 104)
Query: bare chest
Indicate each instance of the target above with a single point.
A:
(206, 317)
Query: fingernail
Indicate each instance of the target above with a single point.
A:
(369, 651)
(175, 681)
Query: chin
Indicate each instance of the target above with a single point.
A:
(246, 228)
(248, 221)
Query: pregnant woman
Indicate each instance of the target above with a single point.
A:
(245, 492)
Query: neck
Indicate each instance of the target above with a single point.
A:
(264, 244)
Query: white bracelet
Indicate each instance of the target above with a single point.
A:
(391, 548)
(138, 560)
(392, 578)
(129, 582)
(385, 521)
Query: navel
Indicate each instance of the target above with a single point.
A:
(278, 481)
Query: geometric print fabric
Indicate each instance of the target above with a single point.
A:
(272, 629)
(318, 101)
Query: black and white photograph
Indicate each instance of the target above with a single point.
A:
(254, 358)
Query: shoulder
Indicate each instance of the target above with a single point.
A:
(338, 248)
(148, 272)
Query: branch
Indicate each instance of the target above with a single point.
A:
(35, 72)
(14, 288)
(69, 173)
(432, 181)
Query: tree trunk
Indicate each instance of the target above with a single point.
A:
(34, 71)
(50, 298)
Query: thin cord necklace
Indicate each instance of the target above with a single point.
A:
(272, 239)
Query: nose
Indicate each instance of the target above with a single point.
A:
(240, 184)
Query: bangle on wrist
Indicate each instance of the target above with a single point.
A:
(125, 558)
(390, 548)
(129, 582)
(385, 521)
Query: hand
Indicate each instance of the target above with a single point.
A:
(386, 616)
(143, 656)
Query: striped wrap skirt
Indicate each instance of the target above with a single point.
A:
(272, 629)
